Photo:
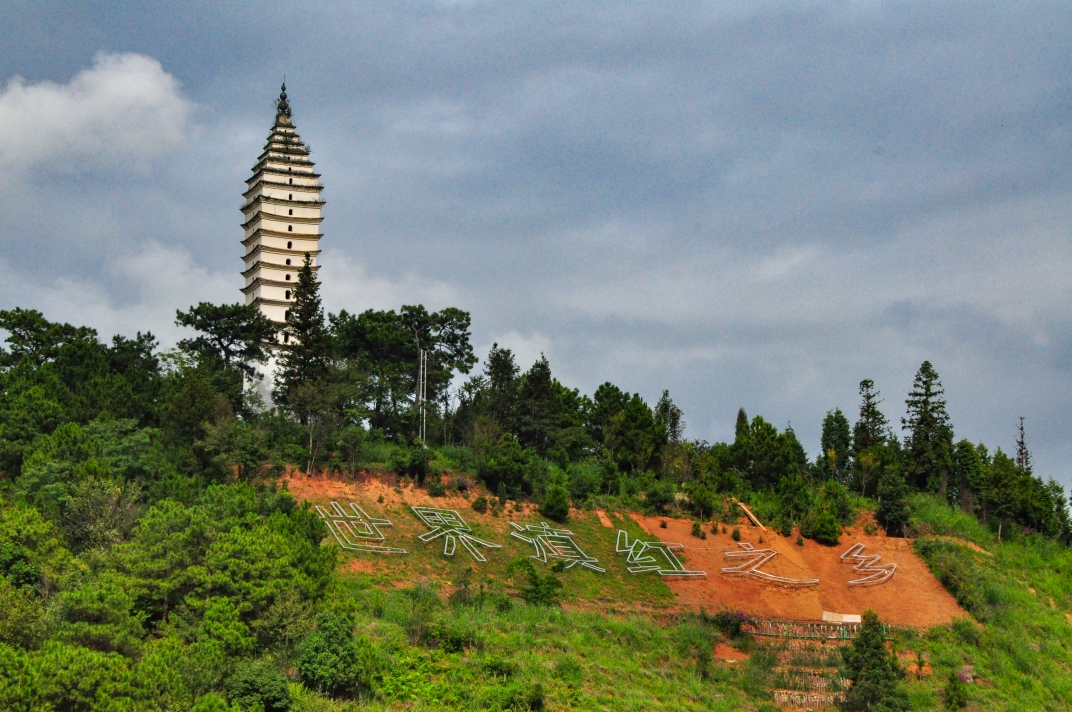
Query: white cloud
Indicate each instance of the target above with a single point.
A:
(154, 281)
(122, 112)
(346, 284)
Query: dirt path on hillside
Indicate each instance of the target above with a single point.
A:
(912, 597)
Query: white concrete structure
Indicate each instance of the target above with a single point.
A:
(282, 217)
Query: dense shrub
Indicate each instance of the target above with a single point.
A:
(727, 622)
(824, 528)
(538, 590)
(659, 496)
(556, 504)
(259, 685)
(331, 660)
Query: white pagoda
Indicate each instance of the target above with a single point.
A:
(282, 217)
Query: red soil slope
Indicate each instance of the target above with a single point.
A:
(912, 597)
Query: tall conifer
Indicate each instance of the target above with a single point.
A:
(871, 428)
(307, 344)
(836, 445)
(929, 447)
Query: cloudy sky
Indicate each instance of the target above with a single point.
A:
(749, 204)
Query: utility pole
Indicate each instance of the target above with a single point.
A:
(422, 393)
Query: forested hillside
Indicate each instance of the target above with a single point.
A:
(151, 560)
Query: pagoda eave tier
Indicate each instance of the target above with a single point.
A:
(281, 158)
(259, 265)
(258, 174)
(297, 188)
(269, 200)
(271, 302)
(284, 150)
(283, 219)
(262, 282)
(262, 232)
(265, 249)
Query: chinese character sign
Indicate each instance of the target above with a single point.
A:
(867, 564)
(756, 558)
(655, 556)
(357, 531)
(447, 523)
(557, 544)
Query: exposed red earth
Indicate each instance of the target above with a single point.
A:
(913, 597)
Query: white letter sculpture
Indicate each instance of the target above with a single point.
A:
(448, 523)
(357, 531)
(554, 544)
(867, 564)
(638, 555)
(756, 558)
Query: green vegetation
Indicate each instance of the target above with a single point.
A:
(149, 560)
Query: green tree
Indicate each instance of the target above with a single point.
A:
(234, 336)
(670, 416)
(331, 660)
(763, 455)
(380, 345)
(876, 677)
(24, 620)
(836, 445)
(502, 374)
(556, 503)
(307, 344)
(892, 510)
(38, 341)
(101, 616)
(65, 677)
(871, 427)
(955, 695)
(537, 590)
(318, 405)
(259, 685)
(386, 347)
(968, 478)
(504, 465)
(234, 339)
(632, 437)
(824, 528)
(537, 407)
(239, 446)
(929, 447)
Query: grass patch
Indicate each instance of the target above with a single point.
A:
(1018, 643)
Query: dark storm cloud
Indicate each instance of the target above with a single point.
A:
(749, 204)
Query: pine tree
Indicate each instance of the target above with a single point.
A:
(306, 347)
(502, 373)
(876, 676)
(871, 428)
(741, 428)
(1023, 456)
(836, 445)
(929, 447)
(538, 417)
(667, 413)
(892, 510)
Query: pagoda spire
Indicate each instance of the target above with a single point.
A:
(282, 216)
(282, 106)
